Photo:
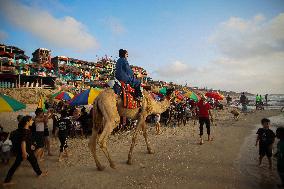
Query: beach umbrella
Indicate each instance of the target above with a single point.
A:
(8, 104)
(215, 95)
(63, 96)
(85, 97)
(163, 91)
(178, 95)
(192, 96)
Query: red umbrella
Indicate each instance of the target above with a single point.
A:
(215, 95)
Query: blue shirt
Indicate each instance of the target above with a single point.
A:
(123, 71)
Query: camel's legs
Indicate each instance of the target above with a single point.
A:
(103, 140)
(139, 125)
(144, 129)
(105, 150)
(92, 146)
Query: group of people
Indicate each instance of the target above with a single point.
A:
(24, 149)
(31, 138)
(259, 101)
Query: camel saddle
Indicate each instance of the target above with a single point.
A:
(127, 94)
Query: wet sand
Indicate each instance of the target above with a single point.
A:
(178, 161)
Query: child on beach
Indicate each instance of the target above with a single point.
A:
(40, 121)
(157, 123)
(5, 147)
(62, 127)
(265, 138)
(280, 154)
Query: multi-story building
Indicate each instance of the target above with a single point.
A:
(12, 59)
(42, 56)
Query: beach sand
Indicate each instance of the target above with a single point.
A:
(178, 162)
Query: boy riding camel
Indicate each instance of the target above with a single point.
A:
(125, 74)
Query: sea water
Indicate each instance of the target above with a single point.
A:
(254, 176)
(274, 101)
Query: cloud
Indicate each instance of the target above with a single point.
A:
(176, 69)
(3, 35)
(115, 25)
(251, 54)
(249, 57)
(64, 32)
(239, 38)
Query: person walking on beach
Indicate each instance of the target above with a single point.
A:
(125, 74)
(243, 101)
(24, 150)
(229, 99)
(266, 100)
(280, 154)
(40, 121)
(157, 123)
(61, 131)
(48, 123)
(257, 101)
(265, 138)
(203, 112)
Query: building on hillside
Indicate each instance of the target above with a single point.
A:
(42, 56)
(12, 59)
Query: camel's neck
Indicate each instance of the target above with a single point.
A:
(156, 106)
(162, 106)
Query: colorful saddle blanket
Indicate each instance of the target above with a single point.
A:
(127, 94)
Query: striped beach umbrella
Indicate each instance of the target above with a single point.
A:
(215, 95)
(63, 95)
(85, 97)
(193, 96)
(8, 104)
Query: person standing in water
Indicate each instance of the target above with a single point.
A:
(265, 139)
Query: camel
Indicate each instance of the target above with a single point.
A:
(107, 109)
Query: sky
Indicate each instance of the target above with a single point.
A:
(226, 45)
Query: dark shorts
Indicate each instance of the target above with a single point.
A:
(39, 139)
(202, 121)
(265, 150)
(63, 141)
(46, 132)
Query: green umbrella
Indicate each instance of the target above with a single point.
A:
(194, 97)
(163, 91)
(8, 104)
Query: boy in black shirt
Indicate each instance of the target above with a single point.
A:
(265, 138)
(62, 127)
(24, 149)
